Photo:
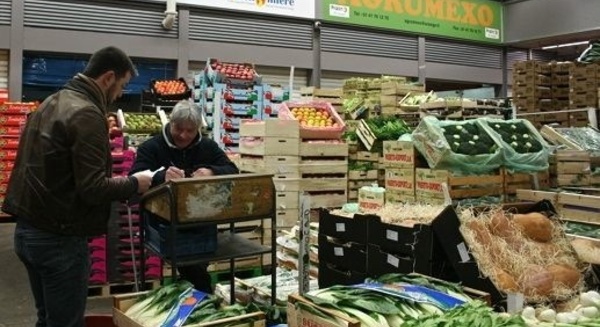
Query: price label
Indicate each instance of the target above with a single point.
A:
(393, 260)
(514, 302)
(340, 227)
(391, 235)
(462, 252)
(338, 251)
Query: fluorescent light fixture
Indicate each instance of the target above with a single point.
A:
(564, 45)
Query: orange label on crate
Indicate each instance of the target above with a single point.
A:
(12, 120)
(9, 143)
(10, 130)
(7, 165)
(429, 186)
(8, 154)
(18, 107)
(4, 176)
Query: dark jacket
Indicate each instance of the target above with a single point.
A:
(61, 180)
(160, 151)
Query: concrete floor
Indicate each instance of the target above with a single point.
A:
(16, 301)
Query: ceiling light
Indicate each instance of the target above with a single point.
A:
(564, 45)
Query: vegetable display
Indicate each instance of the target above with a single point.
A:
(584, 311)
(469, 139)
(387, 128)
(152, 308)
(518, 136)
(387, 302)
(526, 253)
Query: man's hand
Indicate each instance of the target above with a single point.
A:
(203, 172)
(144, 179)
(174, 173)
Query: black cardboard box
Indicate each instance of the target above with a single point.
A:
(330, 275)
(343, 228)
(447, 230)
(346, 255)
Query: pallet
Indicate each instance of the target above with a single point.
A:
(110, 289)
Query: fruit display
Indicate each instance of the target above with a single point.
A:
(140, 123)
(170, 87)
(313, 117)
(318, 120)
(233, 70)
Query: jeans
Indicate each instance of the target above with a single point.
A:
(58, 268)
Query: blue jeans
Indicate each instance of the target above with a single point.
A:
(58, 268)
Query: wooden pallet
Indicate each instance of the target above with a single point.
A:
(110, 289)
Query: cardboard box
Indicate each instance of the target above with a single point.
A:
(343, 228)
(399, 154)
(349, 255)
(392, 196)
(400, 181)
(368, 199)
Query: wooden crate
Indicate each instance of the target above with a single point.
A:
(429, 184)
(365, 156)
(575, 168)
(277, 165)
(399, 154)
(270, 146)
(322, 149)
(579, 207)
(270, 128)
(400, 88)
(536, 196)
(333, 96)
(520, 180)
(361, 175)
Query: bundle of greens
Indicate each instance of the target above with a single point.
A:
(469, 139)
(387, 128)
(518, 136)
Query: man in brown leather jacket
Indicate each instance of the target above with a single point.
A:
(60, 189)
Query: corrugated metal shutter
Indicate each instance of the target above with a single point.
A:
(515, 55)
(542, 55)
(240, 28)
(449, 52)
(108, 16)
(281, 76)
(335, 80)
(5, 9)
(381, 44)
(3, 69)
(270, 74)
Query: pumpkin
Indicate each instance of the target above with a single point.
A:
(534, 225)
(564, 275)
(536, 281)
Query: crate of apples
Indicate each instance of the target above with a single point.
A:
(313, 117)
(232, 71)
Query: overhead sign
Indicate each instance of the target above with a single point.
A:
(475, 20)
(292, 8)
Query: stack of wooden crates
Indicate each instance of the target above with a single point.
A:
(332, 96)
(316, 168)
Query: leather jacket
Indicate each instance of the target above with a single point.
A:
(61, 181)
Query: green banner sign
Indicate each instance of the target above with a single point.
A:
(475, 20)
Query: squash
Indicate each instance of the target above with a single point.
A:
(505, 282)
(534, 225)
(536, 281)
(565, 275)
(500, 225)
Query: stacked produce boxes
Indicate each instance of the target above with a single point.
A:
(394, 94)
(532, 90)
(13, 116)
(399, 160)
(332, 96)
(273, 97)
(583, 86)
(362, 171)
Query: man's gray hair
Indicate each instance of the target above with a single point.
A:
(186, 111)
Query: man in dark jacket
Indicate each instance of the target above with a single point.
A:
(183, 152)
(60, 189)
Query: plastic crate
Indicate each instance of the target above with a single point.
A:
(194, 241)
